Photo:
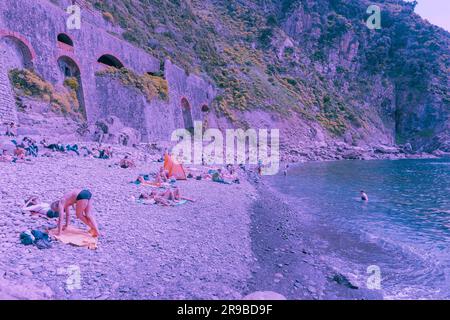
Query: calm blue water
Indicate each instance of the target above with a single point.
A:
(404, 228)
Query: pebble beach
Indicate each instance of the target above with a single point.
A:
(199, 250)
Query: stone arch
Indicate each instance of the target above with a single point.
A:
(111, 61)
(18, 50)
(70, 69)
(65, 39)
(187, 114)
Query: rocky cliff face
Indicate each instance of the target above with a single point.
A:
(396, 76)
(311, 68)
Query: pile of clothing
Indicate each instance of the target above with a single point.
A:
(40, 239)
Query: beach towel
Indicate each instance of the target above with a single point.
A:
(172, 203)
(76, 237)
(151, 184)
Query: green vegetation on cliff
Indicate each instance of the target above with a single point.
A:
(151, 86)
(314, 58)
(27, 83)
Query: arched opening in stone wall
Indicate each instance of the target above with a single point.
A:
(187, 115)
(110, 61)
(71, 76)
(64, 38)
(18, 53)
(15, 53)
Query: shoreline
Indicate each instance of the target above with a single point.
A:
(390, 157)
(290, 255)
(333, 251)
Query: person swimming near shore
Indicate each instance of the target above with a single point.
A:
(82, 200)
(364, 196)
(286, 169)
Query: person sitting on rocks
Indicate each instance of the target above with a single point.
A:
(109, 151)
(126, 163)
(19, 153)
(105, 153)
(31, 146)
(10, 130)
(82, 200)
(5, 157)
(162, 176)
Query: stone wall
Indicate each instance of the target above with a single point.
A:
(33, 27)
(7, 103)
(29, 31)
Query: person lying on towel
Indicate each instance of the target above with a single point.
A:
(82, 200)
(164, 197)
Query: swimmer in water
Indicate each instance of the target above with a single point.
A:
(286, 168)
(364, 196)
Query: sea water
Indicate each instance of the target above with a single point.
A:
(404, 228)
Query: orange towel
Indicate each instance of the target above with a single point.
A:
(76, 237)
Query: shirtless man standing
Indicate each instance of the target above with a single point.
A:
(82, 200)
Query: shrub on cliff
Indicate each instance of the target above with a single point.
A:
(72, 83)
(27, 83)
(150, 85)
(241, 46)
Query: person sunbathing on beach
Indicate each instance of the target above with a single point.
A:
(36, 207)
(126, 163)
(164, 197)
(53, 146)
(364, 196)
(82, 200)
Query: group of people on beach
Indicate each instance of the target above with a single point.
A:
(28, 148)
